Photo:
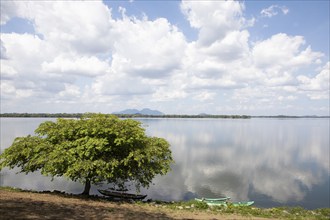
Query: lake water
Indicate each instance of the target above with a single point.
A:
(274, 162)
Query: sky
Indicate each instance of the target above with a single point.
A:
(179, 57)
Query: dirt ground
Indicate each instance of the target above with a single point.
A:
(28, 205)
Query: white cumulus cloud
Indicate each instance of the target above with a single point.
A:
(147, 48)
(274, 10)
(214, 19)
(85, 66)
(81, 53)
(317, 87)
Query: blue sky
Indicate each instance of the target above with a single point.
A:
(179, 57)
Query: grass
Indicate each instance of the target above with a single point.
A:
(250, 211)
(12, 189)
(195, 206)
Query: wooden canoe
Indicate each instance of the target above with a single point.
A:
(121, 195)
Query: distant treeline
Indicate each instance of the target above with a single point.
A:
(41, 115)
(291, 116)
(78, 115)
(181, 116)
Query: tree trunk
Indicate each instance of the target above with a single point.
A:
(87, 187)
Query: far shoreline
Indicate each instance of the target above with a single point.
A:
(78, 115)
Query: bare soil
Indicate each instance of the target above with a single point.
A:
(31, 205)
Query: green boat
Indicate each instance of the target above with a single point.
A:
(247, 203)
(224, 202)
(213, 199)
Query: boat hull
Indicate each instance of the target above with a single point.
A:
(122, 195)
(213, 200)
(224, 202)
(248, 203)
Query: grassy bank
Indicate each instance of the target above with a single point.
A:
(27, 203)
(251, 211)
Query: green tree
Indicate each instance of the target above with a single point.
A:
(94, 149)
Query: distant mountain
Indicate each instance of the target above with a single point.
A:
(145, 111)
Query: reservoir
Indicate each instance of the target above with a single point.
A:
(274, 162)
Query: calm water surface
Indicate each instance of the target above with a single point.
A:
(274, 162)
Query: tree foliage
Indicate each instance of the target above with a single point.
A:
(93, 149)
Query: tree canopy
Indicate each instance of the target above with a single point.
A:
(93, 149)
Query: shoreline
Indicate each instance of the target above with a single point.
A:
(18, 204)
(165, 116)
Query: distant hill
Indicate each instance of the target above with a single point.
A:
(145, 111)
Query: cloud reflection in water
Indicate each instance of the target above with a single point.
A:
(282, 160)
